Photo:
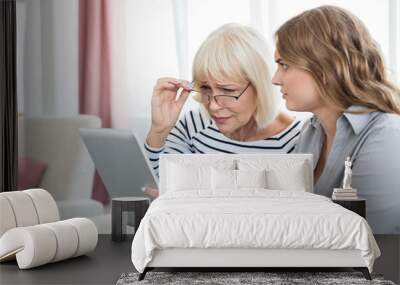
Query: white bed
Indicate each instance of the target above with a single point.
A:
(201, 219)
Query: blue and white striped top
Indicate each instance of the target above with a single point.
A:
(193, 133)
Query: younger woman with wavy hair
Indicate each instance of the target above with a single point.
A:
(329, 65)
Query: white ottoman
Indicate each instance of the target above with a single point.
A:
(30, 230)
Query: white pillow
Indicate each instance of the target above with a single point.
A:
(282, 174)
(293, 181)
(251, 178)
(223, 179)
(182, 177)
(235, 179)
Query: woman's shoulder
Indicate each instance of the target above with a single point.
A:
(390, 120)
(289, 126)
(306, 124)
(380, 139)
(386, 126)
(373, 123)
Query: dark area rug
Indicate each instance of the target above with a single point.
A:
(228, 278)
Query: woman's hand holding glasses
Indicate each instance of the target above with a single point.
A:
(169, 96)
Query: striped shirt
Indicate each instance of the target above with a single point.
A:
(195, 134)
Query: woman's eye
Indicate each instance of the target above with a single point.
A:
(227, 90)
(284, 66)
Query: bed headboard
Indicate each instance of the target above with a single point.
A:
(286, 166)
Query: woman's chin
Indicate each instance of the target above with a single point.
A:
(296, 107)
(224, 128)
(292, 107)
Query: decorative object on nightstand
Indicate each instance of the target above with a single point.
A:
(358, 205)
(346, 192)
(122, 206)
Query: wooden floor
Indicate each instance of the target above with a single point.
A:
(102, 266)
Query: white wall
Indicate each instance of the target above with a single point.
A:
(47, 57)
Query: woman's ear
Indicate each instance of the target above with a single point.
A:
(324, 80)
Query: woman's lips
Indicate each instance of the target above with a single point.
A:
(221, 120)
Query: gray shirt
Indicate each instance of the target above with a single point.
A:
(372, 140)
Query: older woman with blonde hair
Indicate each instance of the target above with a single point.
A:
(329, 65)
(238, 110)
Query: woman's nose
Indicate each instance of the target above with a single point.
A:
(213, 105)
(276, 80)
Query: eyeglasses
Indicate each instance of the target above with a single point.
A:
(228, 99)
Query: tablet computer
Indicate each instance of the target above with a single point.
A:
(119, 158)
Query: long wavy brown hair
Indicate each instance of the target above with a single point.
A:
(335, 47)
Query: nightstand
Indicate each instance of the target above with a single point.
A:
(358, 206)
(120, 207)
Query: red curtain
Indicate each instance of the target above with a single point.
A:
(95, 70)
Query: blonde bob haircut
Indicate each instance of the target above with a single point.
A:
(336, 49)
(239, 53)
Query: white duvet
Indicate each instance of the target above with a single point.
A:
(250, 218)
